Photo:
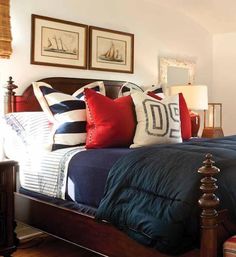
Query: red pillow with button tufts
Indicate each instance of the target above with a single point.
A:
(110, 123)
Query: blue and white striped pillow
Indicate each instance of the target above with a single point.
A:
(67, 113)
(129, 88)
(97, 86)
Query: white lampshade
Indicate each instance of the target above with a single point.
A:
(196, 96)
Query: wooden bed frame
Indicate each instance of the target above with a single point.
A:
(103, 238)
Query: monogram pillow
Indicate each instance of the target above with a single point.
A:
(157, 121)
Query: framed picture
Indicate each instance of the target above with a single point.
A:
(58, 43)
(111, 50)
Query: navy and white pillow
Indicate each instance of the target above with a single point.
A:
(97, 86)
(66, 112)
(158, 122)
(129, 88)
(157, 90)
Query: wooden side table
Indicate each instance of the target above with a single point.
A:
(213, 121)
(212, 132)
(8, 238)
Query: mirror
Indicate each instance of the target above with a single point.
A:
(176, 72)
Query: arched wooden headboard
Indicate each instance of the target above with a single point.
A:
(28, 102)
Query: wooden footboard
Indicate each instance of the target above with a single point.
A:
(78, 228)
(81, 229)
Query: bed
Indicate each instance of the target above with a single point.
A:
(101, 237)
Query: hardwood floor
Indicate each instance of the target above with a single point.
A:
(51, 247)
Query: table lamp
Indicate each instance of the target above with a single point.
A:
(196, 97)
(213, 121)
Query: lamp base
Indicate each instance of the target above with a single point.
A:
(212, 132)
(195, 123)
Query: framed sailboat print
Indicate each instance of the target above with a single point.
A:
(58, 43)
(111, 50)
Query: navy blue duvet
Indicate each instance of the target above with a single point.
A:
(151, 193)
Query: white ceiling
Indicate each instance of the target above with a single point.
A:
(216, 16)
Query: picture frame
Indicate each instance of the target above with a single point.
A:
(59, 43)
(111, 50)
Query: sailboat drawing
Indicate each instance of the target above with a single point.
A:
(56, 45)
(112, 54)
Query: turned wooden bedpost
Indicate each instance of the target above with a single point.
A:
(208, 203)
(9, 97)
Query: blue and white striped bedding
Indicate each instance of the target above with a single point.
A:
(24, 136)
(47, 173)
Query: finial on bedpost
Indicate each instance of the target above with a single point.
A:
(208, 203)
(9, 97)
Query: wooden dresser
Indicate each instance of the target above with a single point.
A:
(8, 239)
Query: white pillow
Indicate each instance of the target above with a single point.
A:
(157, 121)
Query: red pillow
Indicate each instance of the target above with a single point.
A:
(110, 123)
(186, 130)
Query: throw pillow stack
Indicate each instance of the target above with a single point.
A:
(135, 119)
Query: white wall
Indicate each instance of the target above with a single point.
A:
(224, 78)
(159, 31)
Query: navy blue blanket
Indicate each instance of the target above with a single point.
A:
(152, 192)
(87, 174)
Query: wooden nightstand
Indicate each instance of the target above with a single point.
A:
(8, 239)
